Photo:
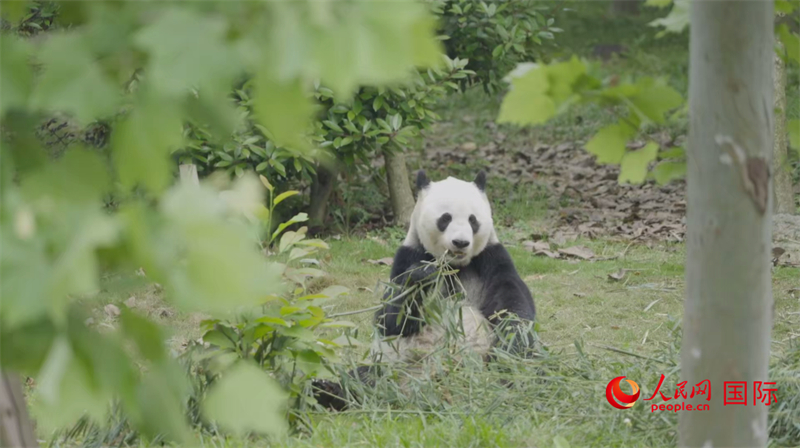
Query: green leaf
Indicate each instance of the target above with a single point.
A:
(658, 3)
(667, 171)
(289, 239)
(15, 73)
(654, 99)
(273, 321)
(560, 442)
(143, 141)
(246, 399)
(220, 269)
(527, 101)
(218, 338)
(794, 134)
(284, 195)
(284, 109)
(187, 50)
(791, 41)
(633, 168)
(146, 334)
(300, 217)
(676, 21)
(609, 143)
(72, 81)
(785, 6)
(377, 103)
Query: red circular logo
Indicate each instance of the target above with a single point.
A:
(619, 399)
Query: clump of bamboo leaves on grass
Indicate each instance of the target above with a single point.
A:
(282, 337)
(400, 384)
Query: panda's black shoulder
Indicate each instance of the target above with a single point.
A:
(494, 259)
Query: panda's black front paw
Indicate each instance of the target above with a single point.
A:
(422, 272)
(329, 395)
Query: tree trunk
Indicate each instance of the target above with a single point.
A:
(399, 186)
(321, 190)
(784, 196)
(728, 310)
(15, 428)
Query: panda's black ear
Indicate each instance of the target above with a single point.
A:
(422, 180)
(480, 180)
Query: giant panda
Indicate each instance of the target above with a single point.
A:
(451, 223)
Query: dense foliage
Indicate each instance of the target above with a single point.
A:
(148, 68)
(495, 36)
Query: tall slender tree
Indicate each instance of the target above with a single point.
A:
(728, 311)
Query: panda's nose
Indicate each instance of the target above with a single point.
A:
(460, 243)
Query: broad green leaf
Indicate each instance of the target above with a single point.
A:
(794, 134)
(283, 108)
(334, 291)
(633, 168)
(77, 395)
(266, 183)
(658, 3)
(160, 403)
(217, 338)
(142, 143)
(273, 321)
(560, 442)
(14, 11)
(562, 77)
(284, 195)
(187, 49)
(676, 21)
(26, 297)
(55, 366)
(15, 73)
(300, 217)
(527, 101)
(289, 239)
(667, 171)
(221, 268)
(654, 99)
(609, 143)
(299, 332)
(315, 243)
(146, 334)
(79, 177)
(785, 6)
(791, 42)
(72, 81)
(246, 399)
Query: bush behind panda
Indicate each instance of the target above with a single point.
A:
(451, 222)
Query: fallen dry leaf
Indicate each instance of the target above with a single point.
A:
(383, 261)
(617, 276)
(536, 246)
(578, 251)
(533, 278)
(111, 310)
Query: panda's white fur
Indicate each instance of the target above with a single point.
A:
(461, 200)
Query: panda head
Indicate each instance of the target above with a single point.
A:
(452, 218)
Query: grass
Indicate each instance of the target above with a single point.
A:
(594, 327)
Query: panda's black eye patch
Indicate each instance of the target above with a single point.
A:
(473, 222)
(443, 221)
